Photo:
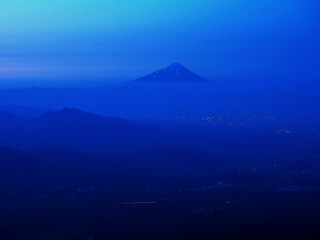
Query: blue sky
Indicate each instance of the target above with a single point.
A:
(93, 42)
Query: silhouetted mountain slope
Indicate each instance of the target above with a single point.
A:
(23, 111)
(74, 129)
(77, 130)
(173, 99)
(174, 72)
(8, 118)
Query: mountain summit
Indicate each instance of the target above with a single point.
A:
(173, 72)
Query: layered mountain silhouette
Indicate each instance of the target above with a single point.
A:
(71, 128)
(83, 131)
(23, 111)
(175, 72)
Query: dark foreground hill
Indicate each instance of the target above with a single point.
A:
(55, 166)
(61, 194)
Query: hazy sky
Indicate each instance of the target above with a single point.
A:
(93, 42)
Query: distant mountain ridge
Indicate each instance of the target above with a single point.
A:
(174, 72)
(88, 132)
(73, 129)
(23, 111)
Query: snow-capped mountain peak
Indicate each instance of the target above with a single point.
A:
(173, 72)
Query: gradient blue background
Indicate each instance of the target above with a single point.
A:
(96, 42)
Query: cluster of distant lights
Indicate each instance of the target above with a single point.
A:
(279, 126)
